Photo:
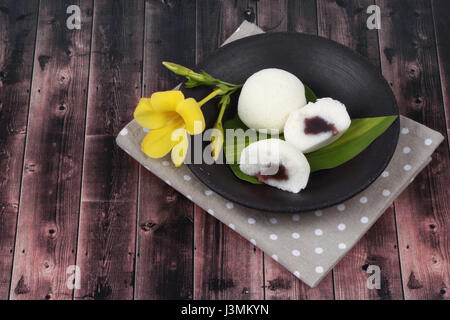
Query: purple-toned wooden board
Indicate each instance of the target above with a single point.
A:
(50, 198)
(409, 62)
(164, 261)
(18, 21)
(441, 9)
(106, 247)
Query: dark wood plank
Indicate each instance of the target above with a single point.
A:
(106, 247)
(18, 23)
(49, 204)
(295, 16)
(409, 62)
(345, 22)
(165, 220)
(378, 247)
(302, 16)
(226, 266)
(272, 15)
(441, 9)
(283, 285)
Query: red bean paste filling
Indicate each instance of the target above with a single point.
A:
(281, 175)
(318, 125)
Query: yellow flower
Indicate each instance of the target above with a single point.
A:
(170, 117)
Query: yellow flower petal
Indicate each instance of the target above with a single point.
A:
(166, 100)
(148, 118)
(158, 143)
(179, 151)
(190, 111)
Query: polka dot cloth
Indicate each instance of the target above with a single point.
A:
(307, 244)
(296, 253)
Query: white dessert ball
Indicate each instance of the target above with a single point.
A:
(277, 163)
(268, 97)
(317, 125)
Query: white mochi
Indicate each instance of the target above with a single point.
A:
(278, 159)
(329, 110)
(268, 97)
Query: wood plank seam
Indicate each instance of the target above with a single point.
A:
(393, 204)
(419, 95)
(84, 140)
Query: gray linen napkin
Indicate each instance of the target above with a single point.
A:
(307, 244)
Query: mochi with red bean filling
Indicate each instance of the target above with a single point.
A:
(268, 97)
(317, 125)
(276, 163)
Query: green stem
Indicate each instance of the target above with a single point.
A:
(214, 94)
(223, 107)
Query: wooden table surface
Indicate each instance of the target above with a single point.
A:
(70, 197)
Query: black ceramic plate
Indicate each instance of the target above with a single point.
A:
(330, 70)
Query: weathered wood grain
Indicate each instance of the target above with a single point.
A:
(107, 232)
(18, 22)
(302, 16)
(409, 62)
(378, 247)
(283, 285)
(50, 198)
(165, 231)
(226, 266)
(50, 194)
(345, 22)
(295, 16)
(272, 15)
(441, 9)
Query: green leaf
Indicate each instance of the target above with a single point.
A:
(310, 95)
(357, 138)
(238, 173)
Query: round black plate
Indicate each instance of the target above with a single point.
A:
(330, 70)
